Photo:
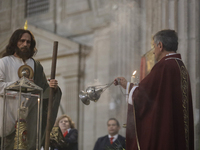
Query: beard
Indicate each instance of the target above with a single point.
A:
(24, 53)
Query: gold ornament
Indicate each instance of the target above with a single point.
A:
(25, 71)
(56, 137)
(26, 25)
(21, 135)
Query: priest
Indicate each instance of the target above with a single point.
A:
(160, 113)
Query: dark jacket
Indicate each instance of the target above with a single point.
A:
(103, 143)
(70, 142)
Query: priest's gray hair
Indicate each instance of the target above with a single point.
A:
(168, 38)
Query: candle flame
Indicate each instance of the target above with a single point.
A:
(38, 99)
(134, 72)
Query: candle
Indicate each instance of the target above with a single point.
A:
(38, 114)
(38, 103)
(133, 76)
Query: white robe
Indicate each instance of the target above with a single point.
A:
(9, 66)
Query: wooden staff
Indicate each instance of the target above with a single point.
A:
(51, 94)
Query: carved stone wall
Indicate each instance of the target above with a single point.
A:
(11, 16)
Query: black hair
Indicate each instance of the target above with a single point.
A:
(114, 120)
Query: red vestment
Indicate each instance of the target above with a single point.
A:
(162, 105)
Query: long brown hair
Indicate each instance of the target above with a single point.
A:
(16, 36)
(72, 124)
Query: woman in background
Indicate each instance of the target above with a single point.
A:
(69, 132)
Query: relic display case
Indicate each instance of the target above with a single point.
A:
(22, 115)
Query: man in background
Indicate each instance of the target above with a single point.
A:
(112, 141)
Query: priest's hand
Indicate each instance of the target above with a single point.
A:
(53, 83)
(120, 81)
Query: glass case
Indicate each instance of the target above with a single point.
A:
(22, 116)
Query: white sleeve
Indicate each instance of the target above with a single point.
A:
(3, 83)
(129, 97)
(127, 88)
